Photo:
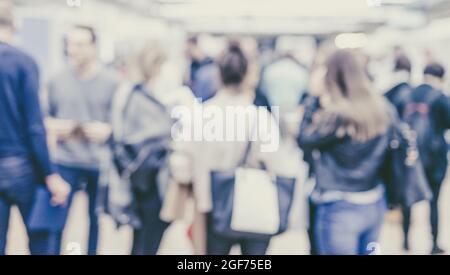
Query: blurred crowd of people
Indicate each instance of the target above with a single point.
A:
(112, 135)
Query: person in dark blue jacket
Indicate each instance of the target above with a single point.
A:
(433, 106)
(348, 129)
(398, 95)
(401, 78)
(204, 77)
(24, 157)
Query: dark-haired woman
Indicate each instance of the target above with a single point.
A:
(348, 129)
(215, 154)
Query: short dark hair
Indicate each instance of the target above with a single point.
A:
(89, 29)
(233, 65)
(434, 69)
(402, 63)
(193, 40)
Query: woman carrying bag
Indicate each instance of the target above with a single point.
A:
(222, 168)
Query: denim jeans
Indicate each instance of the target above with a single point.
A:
(78, 178)
(343, 228)
(17, 187)
(220, 245)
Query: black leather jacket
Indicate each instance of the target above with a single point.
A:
(340, 163)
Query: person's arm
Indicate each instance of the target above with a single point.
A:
(31, 111)
(444, 111)
(316, 135)
(36, 134)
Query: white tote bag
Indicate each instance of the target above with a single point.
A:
(255, 207)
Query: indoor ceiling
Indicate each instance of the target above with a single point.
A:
(282, 16)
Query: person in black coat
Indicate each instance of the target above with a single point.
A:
(429, 100)
(401, 77)
(347, 129)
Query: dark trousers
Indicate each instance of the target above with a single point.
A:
(435, 186)
(311, 229)
(79, 178)
(147, 238)
(17, 187)
(220, 245)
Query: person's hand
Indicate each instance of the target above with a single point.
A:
(59, 189)
(60, 129)
(96, 132)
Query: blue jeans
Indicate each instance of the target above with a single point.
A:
(343, 228)
(76, 177)
(17, 187)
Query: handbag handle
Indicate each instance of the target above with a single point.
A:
(248, 148)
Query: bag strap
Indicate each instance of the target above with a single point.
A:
(121, 102)
(145, 92)
(249, 145)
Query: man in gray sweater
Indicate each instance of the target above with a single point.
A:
(79, 101)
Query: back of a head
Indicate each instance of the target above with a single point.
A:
(363, 111)
(150, 59)
(402, 63)
(233, 65)
(435, 70)
(346, 77)
(6, 13)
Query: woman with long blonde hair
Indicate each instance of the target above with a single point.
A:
(347, 128)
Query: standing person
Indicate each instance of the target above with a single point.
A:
(204, 75)
(427, 111)
(158, 82)
(347, 129)
(284, 82)
(24, 157)
(79, 111)
(210, 156)
(397, 95)
(401, 78)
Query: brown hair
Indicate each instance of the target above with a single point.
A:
(233, 65)
(363, 114)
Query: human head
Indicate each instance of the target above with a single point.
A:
(193, 49)
(233, 65)
(150, 59)
(434, 74)
(402, 64)
(351, 95)
(81, 45)
(346, 77)
(6, 20)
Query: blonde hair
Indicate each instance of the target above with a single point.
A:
(150, 59)
(363, 114)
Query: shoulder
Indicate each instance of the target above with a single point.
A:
(207, 71)
(20, 57)
(442, 100)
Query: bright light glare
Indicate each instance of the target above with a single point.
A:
(351, 40)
